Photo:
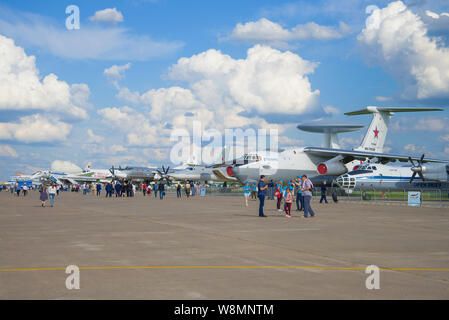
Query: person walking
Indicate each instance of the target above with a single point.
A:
(144, 189)
(52, 194)
(178, 190)
(254, 192)
(161, 191)
(155, 190)
(43, 194)
(279, 188)
(323, 192)
(288, 202)
(25, 190)
(261, 194)
(246, 191)
(306, 188)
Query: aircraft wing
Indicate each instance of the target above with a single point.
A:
(350, 155)
(71, 181)
(220, 174)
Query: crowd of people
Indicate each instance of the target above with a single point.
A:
(284, 193)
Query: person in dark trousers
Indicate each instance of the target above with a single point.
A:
(323, 192)
(98, 189)
(271, 190)
(299, 196)
(118, 190)
(161, 191)
(261, 194)
(178, 190)
(108, 190)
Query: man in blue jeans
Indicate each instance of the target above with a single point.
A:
(299, 197)
(306, 189)
(261, 195)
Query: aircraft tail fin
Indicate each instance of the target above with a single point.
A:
(376, 134)
(88, 166)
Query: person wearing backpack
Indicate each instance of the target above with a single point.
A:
(307, 188)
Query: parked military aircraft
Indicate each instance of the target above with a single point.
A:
(411, 176)
(322, 163)
(201, 173)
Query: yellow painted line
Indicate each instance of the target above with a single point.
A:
(224, 267)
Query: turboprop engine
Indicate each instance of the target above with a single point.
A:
(332, 167)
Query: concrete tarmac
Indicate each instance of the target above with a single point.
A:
(216, 248)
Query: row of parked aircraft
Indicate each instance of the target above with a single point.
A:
(185, 172)
(330, 162)
(365, 166)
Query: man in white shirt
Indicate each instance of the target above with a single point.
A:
(52, 193)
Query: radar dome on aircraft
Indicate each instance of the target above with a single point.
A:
(330, 131)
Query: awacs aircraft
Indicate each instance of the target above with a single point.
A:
(389, 177)
(201, 173)
(322, 163)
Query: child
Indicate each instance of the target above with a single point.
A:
(280, 189)
(288, 202)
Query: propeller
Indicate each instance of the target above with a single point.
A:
(163, 175)
(417, 169)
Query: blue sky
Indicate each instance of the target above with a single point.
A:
(326, 58)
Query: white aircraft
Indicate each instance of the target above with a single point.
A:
(322, 163)
(369, 176)
(201, 173)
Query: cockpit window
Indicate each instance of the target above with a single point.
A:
(359, 171)
(252, 157)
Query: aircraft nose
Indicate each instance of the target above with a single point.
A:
(345, 181)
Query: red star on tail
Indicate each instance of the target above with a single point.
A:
(376, 132)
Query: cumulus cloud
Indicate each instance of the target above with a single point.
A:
(267, 81)
(108, 15)
(397, 39)
(221, 92)
(93, 138)
(115, 148)
(35, 128)
(266, 31)
(89, 42)
(330, 110)
(7, 151)
(116, 72)
(21, 87)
